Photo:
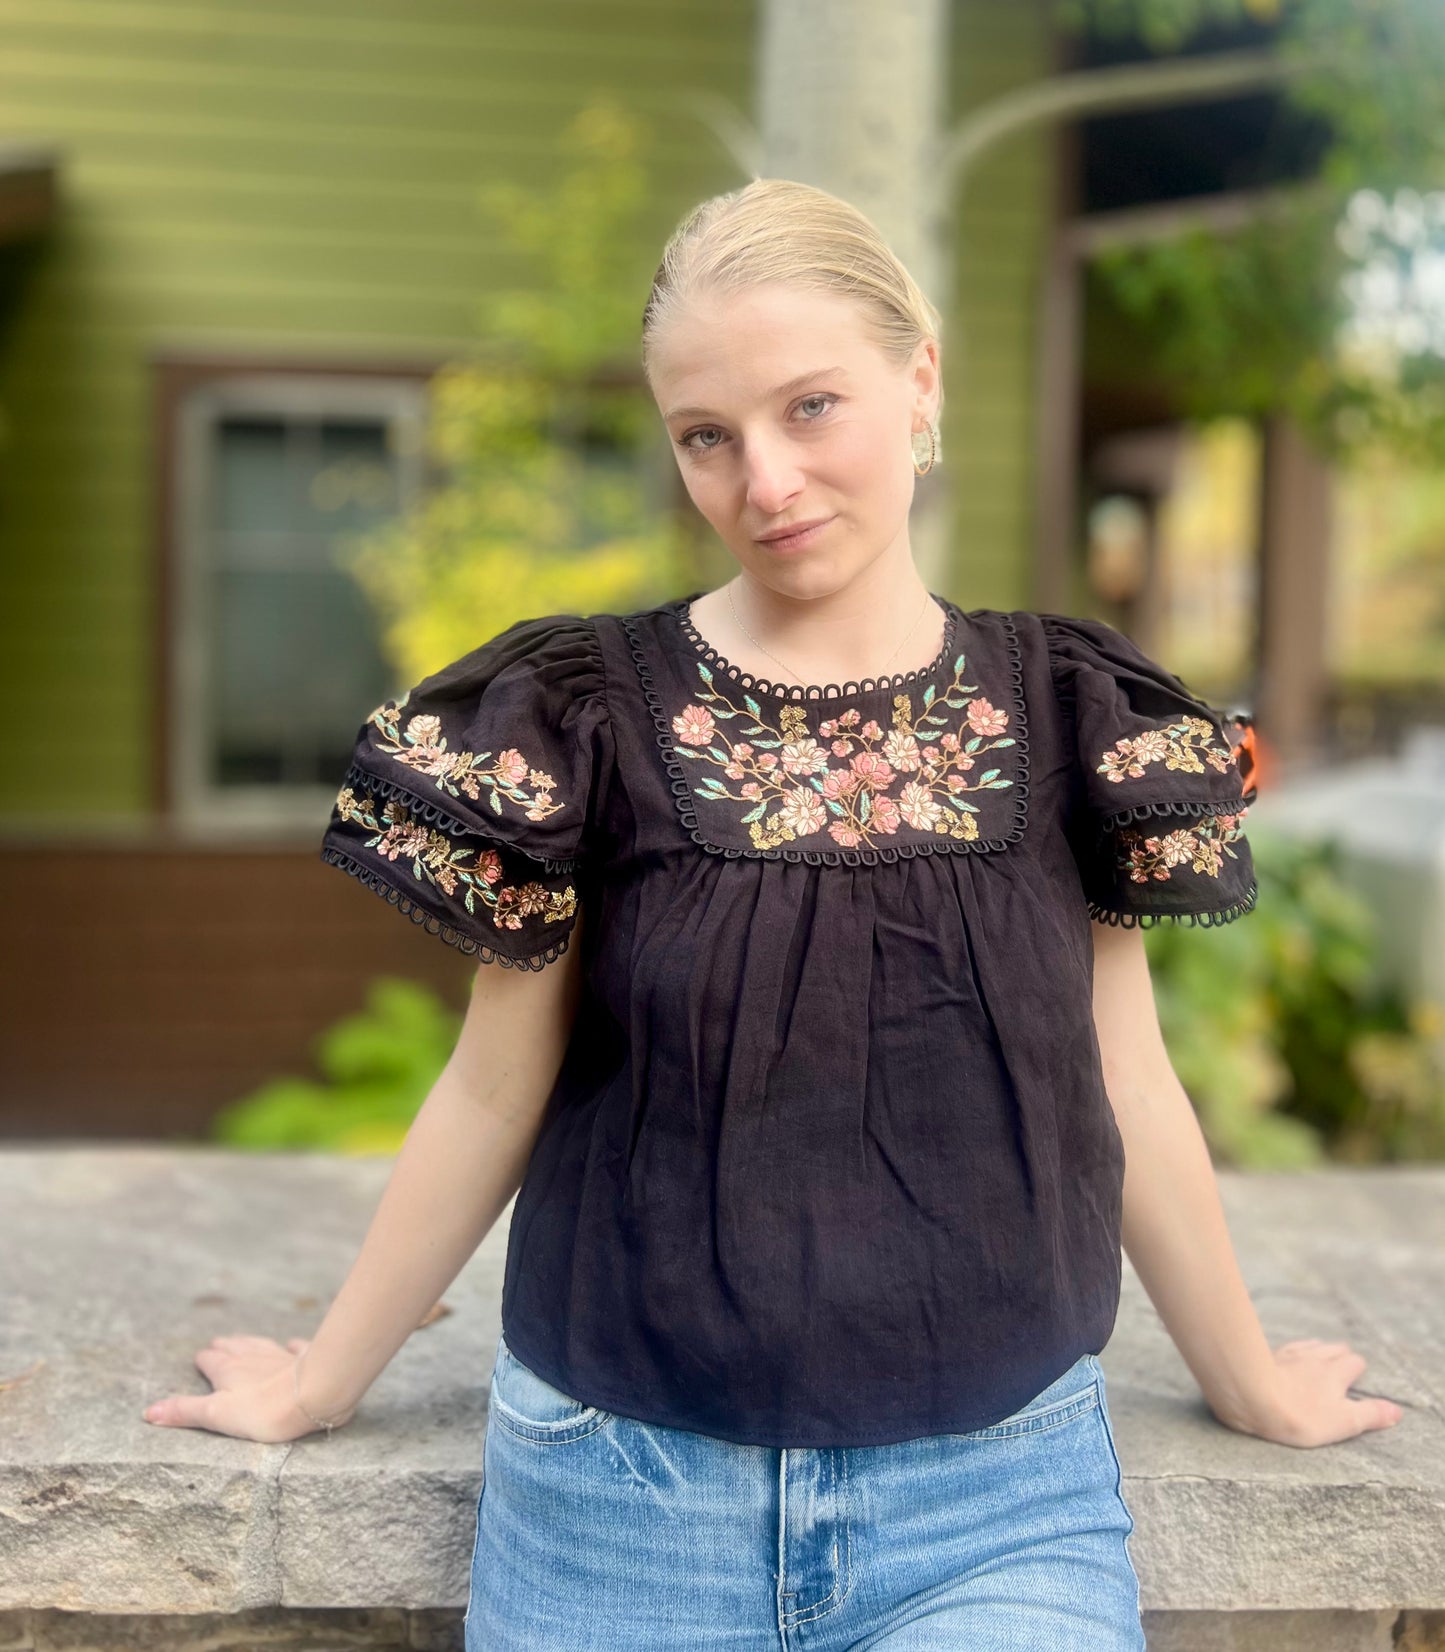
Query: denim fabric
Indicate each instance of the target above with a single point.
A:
(595, 1530)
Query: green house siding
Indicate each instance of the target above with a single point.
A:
(271, 178)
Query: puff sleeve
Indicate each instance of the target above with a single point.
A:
(469, 801)
(1158, 831)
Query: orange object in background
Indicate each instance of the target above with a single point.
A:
(1251, 753)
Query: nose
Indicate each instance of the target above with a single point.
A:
(773, 475)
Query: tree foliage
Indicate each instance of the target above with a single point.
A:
(539, 502)
(1267, 318)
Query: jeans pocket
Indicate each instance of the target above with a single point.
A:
(1069, 1396)
(530, 1407)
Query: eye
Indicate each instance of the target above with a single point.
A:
(821, 396)
(686, 441)
(827, 397)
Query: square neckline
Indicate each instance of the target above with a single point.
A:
(812, 693)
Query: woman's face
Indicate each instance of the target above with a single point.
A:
(782, 411)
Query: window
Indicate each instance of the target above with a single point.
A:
(277, 650)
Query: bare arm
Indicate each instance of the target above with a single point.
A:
(1176, 1237)
(461, 1162)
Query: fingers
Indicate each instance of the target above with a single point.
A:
(1373, 1414)
(182, 1411)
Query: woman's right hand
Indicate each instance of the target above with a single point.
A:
(253, 1395)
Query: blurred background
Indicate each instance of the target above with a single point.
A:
(319, 366)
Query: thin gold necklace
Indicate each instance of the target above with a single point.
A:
(927, 598)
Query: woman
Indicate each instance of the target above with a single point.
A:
(835, 1033)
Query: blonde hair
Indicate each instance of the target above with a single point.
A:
(776, 230)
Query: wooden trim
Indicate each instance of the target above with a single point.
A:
(29, 191)
(175, 375)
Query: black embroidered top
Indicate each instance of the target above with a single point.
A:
(829, 1160)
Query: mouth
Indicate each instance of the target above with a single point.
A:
(803, 534)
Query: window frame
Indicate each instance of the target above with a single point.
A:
(196, 808)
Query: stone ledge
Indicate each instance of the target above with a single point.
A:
(117, 1262)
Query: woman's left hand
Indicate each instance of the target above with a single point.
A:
(1310, 1406)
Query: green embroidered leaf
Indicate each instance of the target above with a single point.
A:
(769, 745)
(720, 756)
(835, 806)
(999, 785)
(753, 706)
(1007, 741)
(705, 674)
(496, 802)
(928, 697)
(988, 774)
(754, 814)
(973, 744)
(958, 664)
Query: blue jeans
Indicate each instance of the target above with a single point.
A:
(597, 1531)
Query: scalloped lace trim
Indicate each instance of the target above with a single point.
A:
(362, 780)
(1146, 811)
(811, 692)
(683, 798)
(1147, 920)
(453, 936)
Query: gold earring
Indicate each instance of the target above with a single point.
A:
(932, 448)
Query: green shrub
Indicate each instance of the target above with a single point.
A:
(1290, 1050)
(377, 1067)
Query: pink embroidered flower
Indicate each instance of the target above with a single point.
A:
(985, 718)
(871, 730)
(841, 748)
(802, 811)
(873, 769)
(752, 789)
(804, 757)
(742, 749)
(512, 767)
(886, 816)
(767, 759)
(950, 742)
(1127, 759)
(839, 783)
(694, 725)
(844, 835)
(734, 771)
(850, 717)
(919, 807)
(901, 750)
(424, 729)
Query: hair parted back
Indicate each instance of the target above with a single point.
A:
(779, 230)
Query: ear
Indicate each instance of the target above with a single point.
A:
(927, 378)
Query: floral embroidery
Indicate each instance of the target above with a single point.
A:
(1178, 746)
(460, 772)
(436, 857)
(1201, 846)
(789, 766)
